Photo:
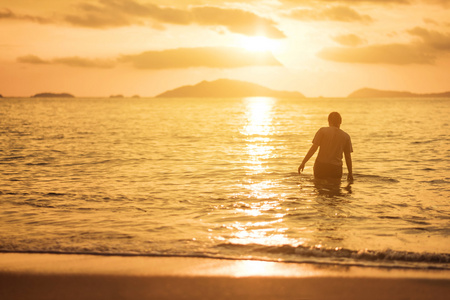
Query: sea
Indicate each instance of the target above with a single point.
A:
(211, 177)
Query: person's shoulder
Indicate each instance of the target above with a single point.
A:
(321, 130)
(345, 133)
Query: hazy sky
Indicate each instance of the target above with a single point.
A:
(316, 47)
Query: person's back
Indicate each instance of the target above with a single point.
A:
(332, 143)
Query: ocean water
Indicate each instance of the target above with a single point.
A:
(218, 178)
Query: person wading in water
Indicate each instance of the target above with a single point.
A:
(332, 142)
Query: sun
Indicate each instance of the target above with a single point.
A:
(258, 43)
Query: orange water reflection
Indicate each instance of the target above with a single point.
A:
(258, 130)
(261, 217)
(259, 116)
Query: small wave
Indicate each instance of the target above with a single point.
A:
(387, 257)
(374, 178)
(101, 162)
(38, 164)
(12, 158)
(357, 176)
(54, 194)
(424, 142)
(389, 217)
(36, 204)
(52, 137)
(436, 181)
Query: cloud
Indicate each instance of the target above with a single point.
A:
(6, 13)
(431, 38)
(32, 59)
(443, 3)
(210, 57)
(351, 40)
(378, 2)
(431, 44)
(336, 13)
(76, 61)
(395, 54)
(104, 14)
(73, 61)
(236, 20)
(116, 13)
(94, 17)
(430, 21)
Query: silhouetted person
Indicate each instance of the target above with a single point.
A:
(332, 143)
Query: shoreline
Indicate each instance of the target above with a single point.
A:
(318, 264)
(79, 276)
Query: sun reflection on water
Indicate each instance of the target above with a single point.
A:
(261, 216)
(259, 116)
(258, 130)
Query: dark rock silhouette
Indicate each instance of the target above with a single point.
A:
(53, 95)
(373, 93)
(1, 96)
(116, 96)
(227, 88)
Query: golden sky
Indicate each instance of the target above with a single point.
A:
(317, 47)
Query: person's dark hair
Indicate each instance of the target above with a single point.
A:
(334, 118)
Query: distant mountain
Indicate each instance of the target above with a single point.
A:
(373, 93)
(227, 88)
(53, 95)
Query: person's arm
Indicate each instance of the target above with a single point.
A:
(348, 162)
(310, 153)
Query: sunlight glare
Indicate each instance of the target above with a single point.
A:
(253, 268)
(246, 268)
(261, 233)
(259, 149)
(258, 128)
(259, 43)
(259, 111)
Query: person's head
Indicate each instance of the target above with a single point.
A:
(334, 119)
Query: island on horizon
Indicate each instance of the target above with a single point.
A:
(53, 95)
(374, 93)
(227, 88)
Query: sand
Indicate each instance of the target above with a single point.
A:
(66, 277)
